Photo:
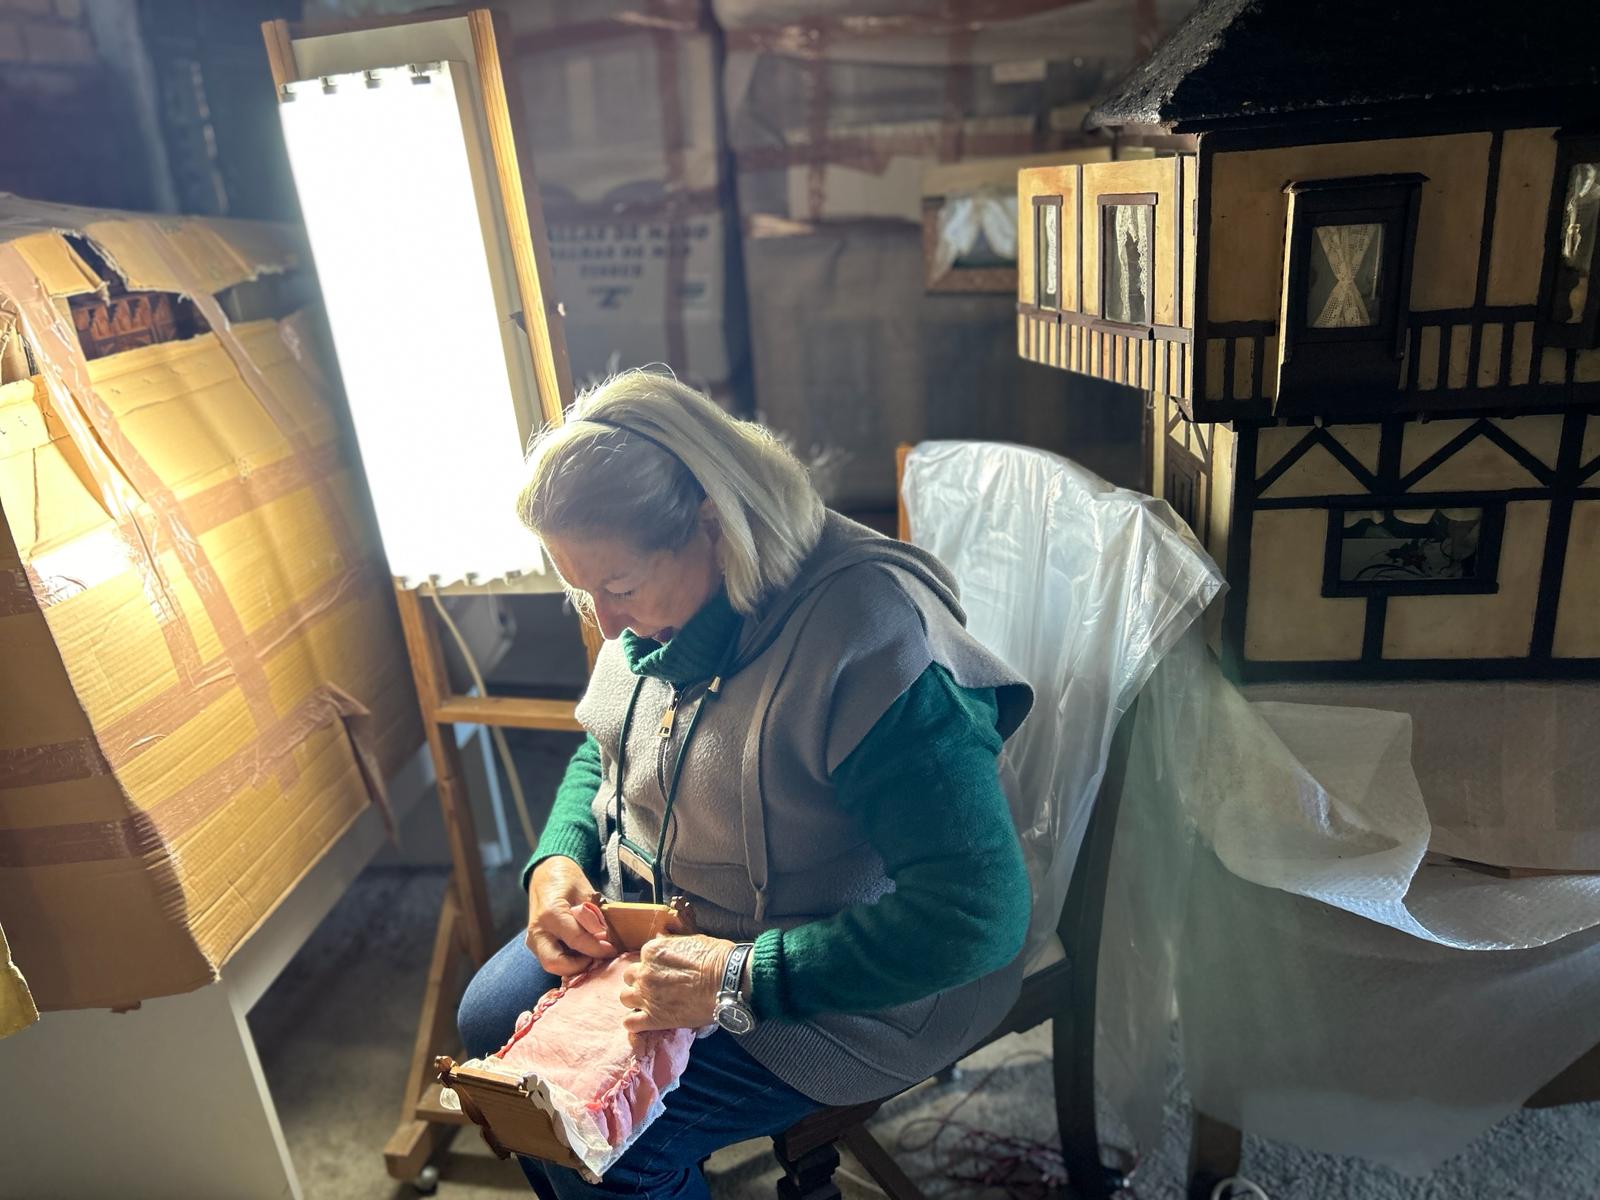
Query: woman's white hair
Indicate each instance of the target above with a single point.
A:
(638, 454)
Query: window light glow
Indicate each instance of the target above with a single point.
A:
(398, 231)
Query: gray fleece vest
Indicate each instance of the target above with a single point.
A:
(758, 840)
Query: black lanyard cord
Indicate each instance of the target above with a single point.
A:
(658, 870)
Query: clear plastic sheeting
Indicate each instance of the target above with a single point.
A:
(1509, 769)
(1081, 587)
(1322, 801)
(1268, 884)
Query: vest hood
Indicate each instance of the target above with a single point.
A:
(844, 544)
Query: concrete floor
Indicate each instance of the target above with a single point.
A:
(335, 1030)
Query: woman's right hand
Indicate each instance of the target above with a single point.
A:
(557, 888)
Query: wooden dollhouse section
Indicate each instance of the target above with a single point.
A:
(1372, 335)
(1105, 255)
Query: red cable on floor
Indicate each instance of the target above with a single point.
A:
(1024, 1169)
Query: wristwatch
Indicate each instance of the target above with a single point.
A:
(733, 1011)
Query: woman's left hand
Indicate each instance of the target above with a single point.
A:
(674, 984)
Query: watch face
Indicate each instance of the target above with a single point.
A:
(735, 1018)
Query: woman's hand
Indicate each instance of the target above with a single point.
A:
(674, 984)
(557, 889)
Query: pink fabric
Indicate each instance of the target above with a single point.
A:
(573, 1039)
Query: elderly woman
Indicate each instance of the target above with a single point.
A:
(790, 727)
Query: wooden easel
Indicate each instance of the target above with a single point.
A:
(464, 937)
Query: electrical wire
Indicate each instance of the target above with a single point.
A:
(1246, 1188)
(495, 732)
(1022, 1168)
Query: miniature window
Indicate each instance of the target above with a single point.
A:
(1413, 551)
(1047, 251)
(1127, 251)
(1346, 289)
(1580, 214)
(1344, 276)
(1572, 305)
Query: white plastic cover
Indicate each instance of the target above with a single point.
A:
(1334, 988)
(1081, 587)
(1271, 882)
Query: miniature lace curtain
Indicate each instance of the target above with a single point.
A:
(1345, 247)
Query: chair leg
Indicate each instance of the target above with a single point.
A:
(809, 1177)
(1072, 1063)
(1215, 1148)
(885, 1172)
(1072, 1028)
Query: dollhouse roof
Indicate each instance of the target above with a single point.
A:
(1252, 62)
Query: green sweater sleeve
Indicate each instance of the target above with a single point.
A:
(925, 786)
(570, 830)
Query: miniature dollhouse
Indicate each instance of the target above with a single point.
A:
(1355, 286)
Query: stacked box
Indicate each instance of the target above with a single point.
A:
(835, 113)
(620, 102)
(622, 111)
(853, 358)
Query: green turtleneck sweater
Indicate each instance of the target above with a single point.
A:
(925, 787)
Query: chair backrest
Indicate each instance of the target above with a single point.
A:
(1081, 587)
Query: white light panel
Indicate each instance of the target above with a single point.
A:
(386, 186)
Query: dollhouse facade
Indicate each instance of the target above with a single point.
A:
(1356, 290)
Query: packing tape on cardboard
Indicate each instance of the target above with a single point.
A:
(674, 137)
(871, 149)
(44, 329)
(675, 17)
(255, 379)
(664, 22)
(199, 683)
(141, 831)
(126, 738)
(946, 139)
(809, 38)
(112, 459)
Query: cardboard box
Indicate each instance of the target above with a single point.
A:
(619, 113)
(622, 108)
(202, 678)
(852, 357)
(833, 114)
(650, 288)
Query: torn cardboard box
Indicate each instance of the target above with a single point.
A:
(202, 678)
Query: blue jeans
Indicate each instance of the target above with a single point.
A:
(724, 1097)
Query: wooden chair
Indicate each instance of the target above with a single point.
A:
(1060, 988)
(1060, 991)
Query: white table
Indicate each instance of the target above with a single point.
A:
(169, 1100)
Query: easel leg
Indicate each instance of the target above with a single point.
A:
(417, 1140)
(427, 669)
(465, 929)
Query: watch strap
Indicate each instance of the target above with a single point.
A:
(733, 972)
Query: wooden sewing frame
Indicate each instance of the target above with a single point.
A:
(504, 1110)
(464, 937)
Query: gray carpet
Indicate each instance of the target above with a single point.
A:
(335, 1031)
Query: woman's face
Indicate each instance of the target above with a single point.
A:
(652, 594)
